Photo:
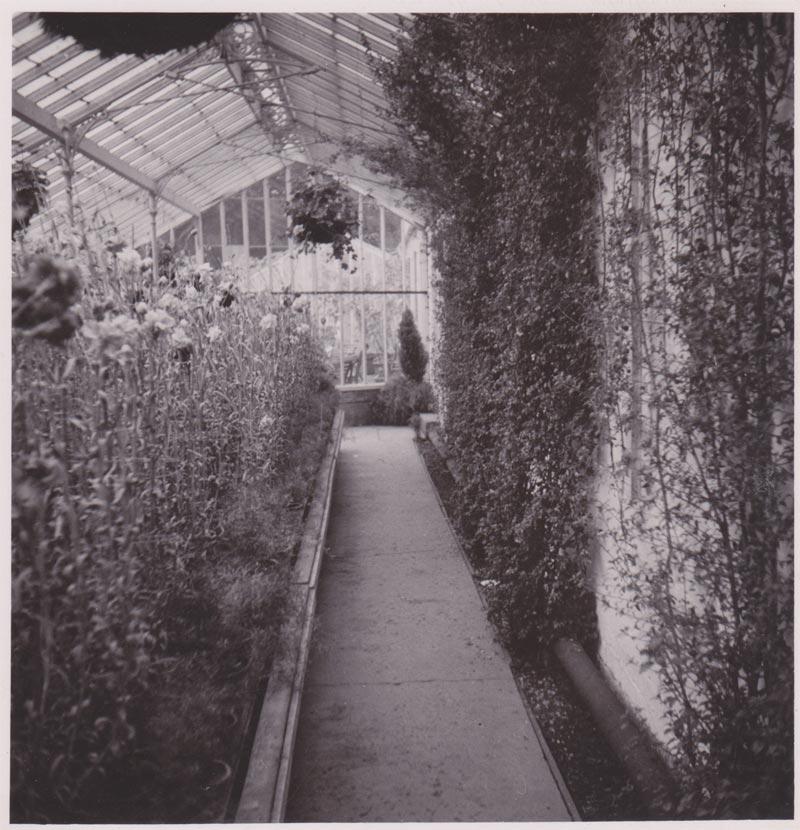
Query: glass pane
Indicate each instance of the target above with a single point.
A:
(214, 255)
(185, 239)
(370, 268)
(298, 174)
(392, 230)
(255, 223)
(394, 273)
(258, 251)
(234, 231)
(332, 277)
(277, 207)
(329, 329)
(351, 327)
(372, 222)
(256, 191)
(211, 228)
(303, 272)
(395, 305)
(374, 339)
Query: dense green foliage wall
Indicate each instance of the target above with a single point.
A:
(610, 201)
(495, 126)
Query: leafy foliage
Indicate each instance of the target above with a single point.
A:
(648, 321)
(322, 213)
(704, 548)
(494, 113)
(136, 441)
(413, 357)
(29, 194)
(399, 399)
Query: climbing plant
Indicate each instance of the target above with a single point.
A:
(323, 213)
(611, 206)
(494, 114)
(697, 225)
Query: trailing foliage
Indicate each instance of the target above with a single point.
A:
(145, 419)
(649, 319)
(322, 213)
(699, 318)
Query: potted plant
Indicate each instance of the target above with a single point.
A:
(323, 213)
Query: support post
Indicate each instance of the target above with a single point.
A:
(362, 268)
(383, 298)
(153, 240)
(245, 233)
(68, 171)
(199, 248)
(288, 195)
(268, 232)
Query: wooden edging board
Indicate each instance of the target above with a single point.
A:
(266, 785)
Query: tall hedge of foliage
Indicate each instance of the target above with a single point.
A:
(495, 113)
(611, 206)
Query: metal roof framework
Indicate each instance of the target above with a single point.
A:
(182, 130)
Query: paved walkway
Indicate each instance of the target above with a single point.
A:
(410, 711)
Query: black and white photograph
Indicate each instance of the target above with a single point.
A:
(401, 412)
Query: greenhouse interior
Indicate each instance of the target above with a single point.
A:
(221, 197)
(401, 417)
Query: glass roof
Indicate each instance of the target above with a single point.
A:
(198, 124)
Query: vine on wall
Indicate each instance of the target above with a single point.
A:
(495, 122)
(698, 261)
(645, 323)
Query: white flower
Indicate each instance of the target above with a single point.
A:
(162, 280)
(147, 262)
(214, 333)
(158, 321)
(170, 302)
(140, 308)
(123, 326)
(129, 261)
(190, 292)
(113, 338)
(205, 267)
(300, 303)
(180, 339)
(266, 421)
(268, 321)
(303, 328)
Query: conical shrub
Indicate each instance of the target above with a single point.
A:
(413, 357)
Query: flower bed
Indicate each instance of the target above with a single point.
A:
(165, 438)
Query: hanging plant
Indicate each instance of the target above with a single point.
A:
(135, 33)
(29, 194)
(322, 213)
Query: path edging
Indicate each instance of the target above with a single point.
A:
(266, 785)
(633, 746)
(549, 758)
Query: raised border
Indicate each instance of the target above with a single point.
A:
(266, 784)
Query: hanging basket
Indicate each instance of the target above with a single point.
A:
(135, 33)
(29, 194)
(322, 213)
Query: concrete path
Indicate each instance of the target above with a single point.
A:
(410, 711)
